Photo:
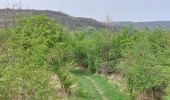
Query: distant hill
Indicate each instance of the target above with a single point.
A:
(76, 23)
(142, 25)
(7, 15)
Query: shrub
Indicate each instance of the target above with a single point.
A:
(26, 72)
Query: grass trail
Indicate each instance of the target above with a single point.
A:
(85, 89)
(97, 88)
(94, 87)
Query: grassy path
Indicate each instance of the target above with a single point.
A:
(85, 89)
(94, 87)
(97, 88)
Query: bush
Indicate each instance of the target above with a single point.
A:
(26, 72)
(144, 60)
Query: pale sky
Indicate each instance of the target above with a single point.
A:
(119, 10)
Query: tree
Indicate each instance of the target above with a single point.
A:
(29, 65)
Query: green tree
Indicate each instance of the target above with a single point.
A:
(30, 66)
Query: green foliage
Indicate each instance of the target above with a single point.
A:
(37, 48)
(167, 96)
(25, 83)
(92, 48)
(29, 60)
(34, 38)
(65, 79)
(144, 60)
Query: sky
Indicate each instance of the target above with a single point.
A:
(118, 10)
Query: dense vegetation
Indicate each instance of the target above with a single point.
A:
(38, 60)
